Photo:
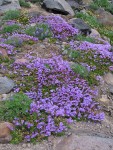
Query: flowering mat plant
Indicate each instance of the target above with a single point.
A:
(53, 94)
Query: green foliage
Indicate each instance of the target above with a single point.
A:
(16, 107)
(94, 6)
(11, 15)
(41, 31)
(5, 60)
(102, 3)
(52, 40)
(110, 8)
(92, 21)
(74, 54)
(91, 79)
(11, 28)
(23, 19)
(79, 69)
(46, 32)
(31, 31)
(15, 41)
(100, 66)
(17, 136)
(25, 4)
(84, 38)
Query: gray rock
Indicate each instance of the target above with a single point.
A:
(110, 89)
(94, 34)
(104, 17)
(34, 14)
(6, 5)
(112, 48)
(82, 142)
(108, 78)
(4, 2)
(84, 2)
(81, 25)
(6, 85)
(58, 6)
(74, 4)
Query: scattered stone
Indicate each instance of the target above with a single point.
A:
(34, 14)
(83, 142)
(58, 6)
(3, 52)
(21, 61)
(104, 17)
(5, 2)
(42, 46)
(24, 145)
(6, 85)
(108, 78)
(81, 25)
(4, 97)
(75, 5)
(33, 24)
(104, 99)
(84, 11)
(5, 128)
(110, 89)
(106, 39)
(29, 145)
(94, 34)
(6, 5)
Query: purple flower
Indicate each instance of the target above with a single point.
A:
(69, 120)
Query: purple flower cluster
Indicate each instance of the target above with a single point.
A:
(111, 68)
(60, 28)
(103, 50)
(10, 48)
(19, 38)
(12, 22)
(59, 93)
(24, 37)
(43, 127)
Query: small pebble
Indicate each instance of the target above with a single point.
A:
(42, 46)
(24, 145)
(29, 145)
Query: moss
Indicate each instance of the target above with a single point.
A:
(11, 15)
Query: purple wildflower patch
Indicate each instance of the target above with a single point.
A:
(60, 28)
(58, 93)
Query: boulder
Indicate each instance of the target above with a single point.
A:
(81, 25)
(58, 6)
(6, 5)
(4, 2)
(108, 78)
(6, 85)
(75, 5)
(94, 34)
(5, 128)
(104, 17)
